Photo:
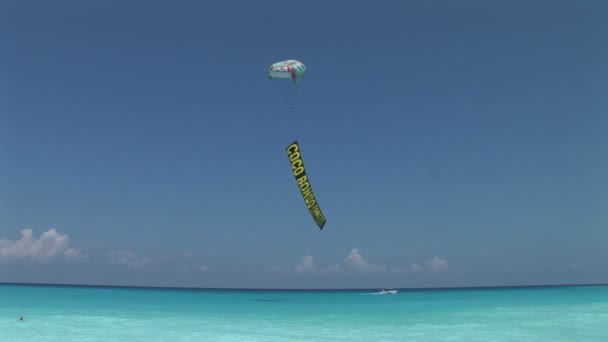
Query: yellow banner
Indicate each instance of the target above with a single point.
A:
(297, 166)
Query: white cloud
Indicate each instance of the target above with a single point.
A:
(355, 260)
(73, 254)
(50, 245)
(306, 265)
(129, 259)
(437, 264)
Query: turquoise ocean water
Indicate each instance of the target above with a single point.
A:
(66, 314)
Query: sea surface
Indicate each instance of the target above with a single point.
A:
(67, 313)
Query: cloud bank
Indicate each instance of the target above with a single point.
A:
(128, 259)
(51, 245)
(437, 264)
(307, 265)
(355, 260)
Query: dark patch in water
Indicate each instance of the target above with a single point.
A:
(278, 300)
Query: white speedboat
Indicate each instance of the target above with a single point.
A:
(388, 291)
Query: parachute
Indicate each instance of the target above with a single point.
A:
(288, 69)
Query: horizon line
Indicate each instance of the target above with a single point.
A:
(191, 288)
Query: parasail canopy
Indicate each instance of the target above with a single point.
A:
(290, 68)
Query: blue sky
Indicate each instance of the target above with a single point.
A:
(449, 143)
